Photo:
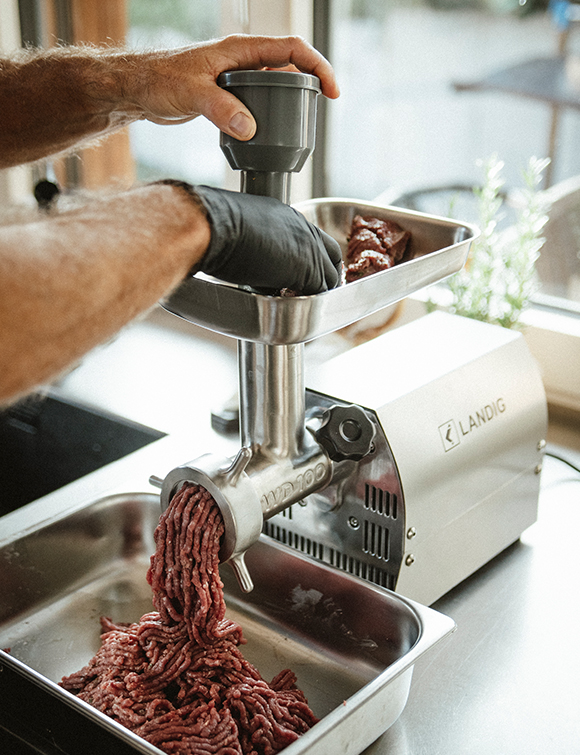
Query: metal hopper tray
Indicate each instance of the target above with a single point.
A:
(352, 645)
(438, 248)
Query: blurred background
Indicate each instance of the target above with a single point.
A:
(430, 88)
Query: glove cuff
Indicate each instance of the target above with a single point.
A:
(193, 194)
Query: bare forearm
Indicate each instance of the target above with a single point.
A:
(52, 100)
(71, 282)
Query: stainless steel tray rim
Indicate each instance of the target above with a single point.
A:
(362, 204)
(277, 320)
(339, 717)
(73, 701)
(423, 627)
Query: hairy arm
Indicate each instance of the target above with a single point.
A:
(68, 283)
(52, 100)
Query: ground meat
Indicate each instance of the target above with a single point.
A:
(177, 677)
(373, 245)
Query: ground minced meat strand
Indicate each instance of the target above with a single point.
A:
(177, 678)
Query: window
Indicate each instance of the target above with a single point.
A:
(189, 151)
(414, 116)
(402, 123)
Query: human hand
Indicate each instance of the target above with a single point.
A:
(176, 86)
(261, 242)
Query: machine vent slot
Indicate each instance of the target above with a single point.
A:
(361, 569)
(331, 556)
(275, 531)
(376, 540)
(381, 501)
(294, 540)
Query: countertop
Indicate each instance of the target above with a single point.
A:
(507, 681)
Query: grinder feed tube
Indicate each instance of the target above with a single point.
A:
(280, 462)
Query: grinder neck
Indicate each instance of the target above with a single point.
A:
(272, 399)
(275, 184)
(271, 377)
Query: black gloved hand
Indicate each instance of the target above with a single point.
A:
(263, 243)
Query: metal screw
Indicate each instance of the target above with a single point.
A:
(411, 532)
(410, 560)
(353, 522)
(541, 445)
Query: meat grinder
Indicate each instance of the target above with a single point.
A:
(427, 465)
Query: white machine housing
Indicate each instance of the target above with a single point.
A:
(461, 420)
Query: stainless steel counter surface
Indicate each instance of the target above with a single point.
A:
(507, 682)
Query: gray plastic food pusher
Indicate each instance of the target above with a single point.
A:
(283, 104)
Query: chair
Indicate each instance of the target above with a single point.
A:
(559, 263)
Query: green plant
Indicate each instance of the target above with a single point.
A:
(499, 278)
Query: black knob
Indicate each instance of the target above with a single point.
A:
(346, 432)
(45, 193)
